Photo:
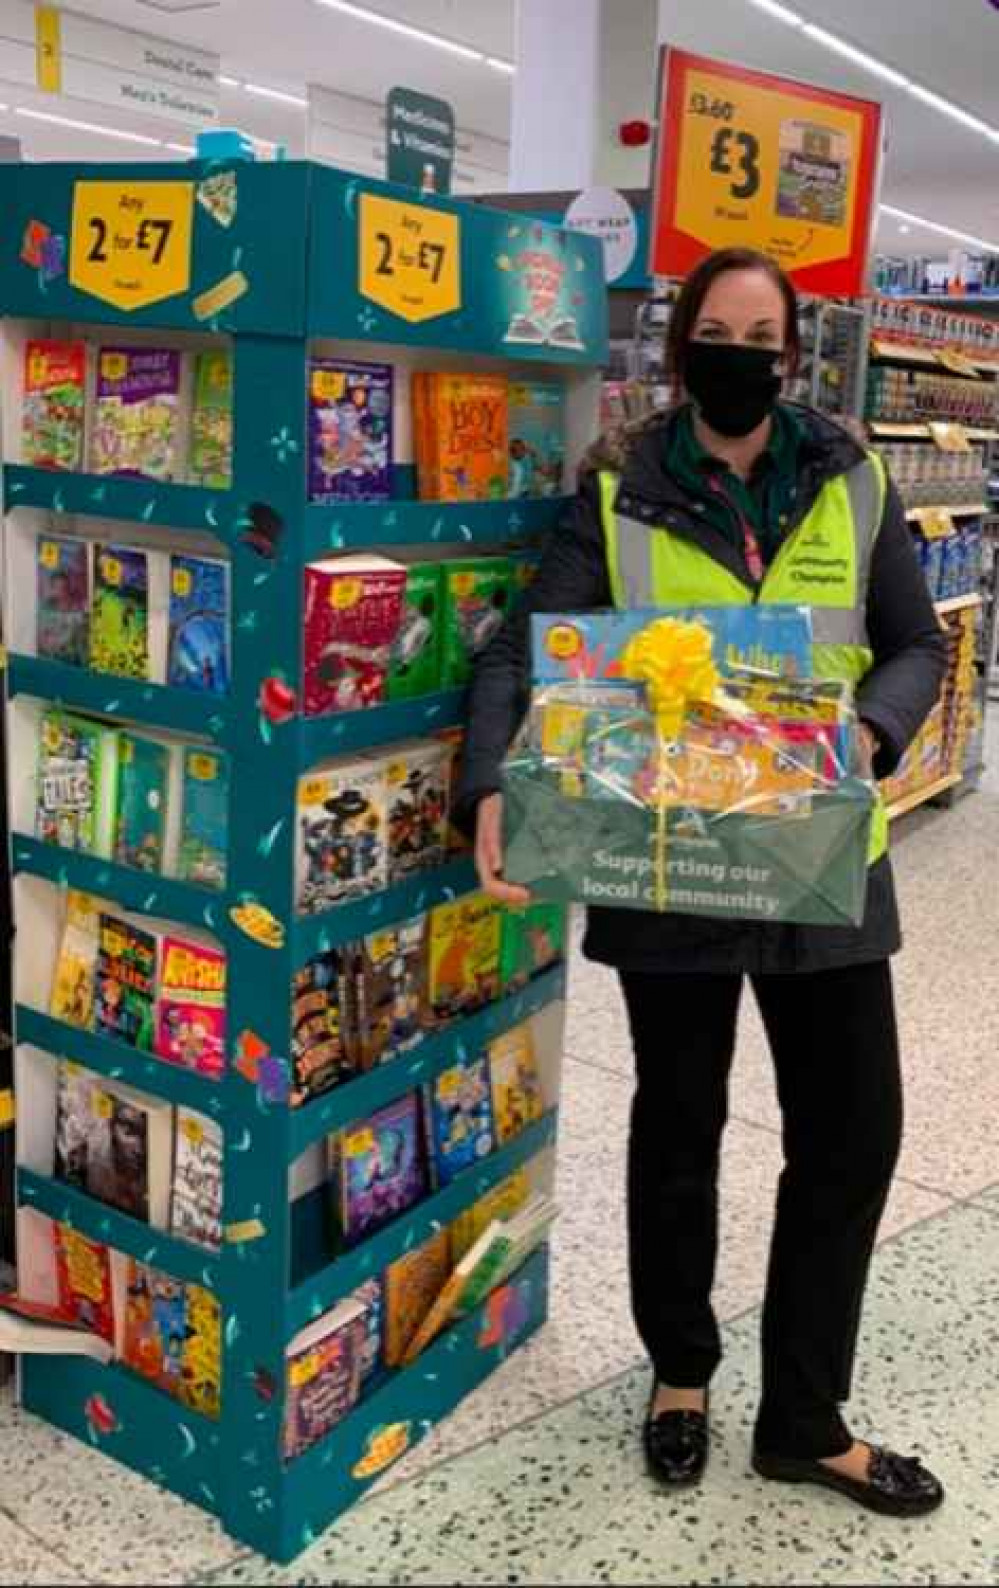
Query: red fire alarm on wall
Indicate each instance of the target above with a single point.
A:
(634, 134)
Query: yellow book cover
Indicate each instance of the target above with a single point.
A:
(201, 1382)
(468, 433)
(72, 997)
(516, 1083)
(464, 955)
(412, 1285)
(502, 1202)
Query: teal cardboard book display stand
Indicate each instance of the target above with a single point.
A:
(276, 257)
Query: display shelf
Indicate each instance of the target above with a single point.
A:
(922, 796)
(341, 732)
(183, 507)
(957, 603)
(896, 430)
(468, 525)
(101, 1223)
(118, 1062)
(314, 934)
(134, 890)
(421, 1064)
(102, 694)
(955, 509)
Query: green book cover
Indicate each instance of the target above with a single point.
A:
(211, 422)
(478, 594)
(140, 807)
(204, 818)
(415, 666)
(532, 939)
(76, 762)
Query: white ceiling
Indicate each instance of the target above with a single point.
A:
(934, 167)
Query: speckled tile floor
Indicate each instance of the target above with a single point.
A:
(537, 1477)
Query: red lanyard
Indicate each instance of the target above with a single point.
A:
(750, 543)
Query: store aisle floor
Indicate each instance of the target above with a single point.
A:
(538, 1477)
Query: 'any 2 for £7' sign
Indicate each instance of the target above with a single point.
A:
(409, 258)
(130, 242)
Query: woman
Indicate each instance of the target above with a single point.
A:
(692, 507)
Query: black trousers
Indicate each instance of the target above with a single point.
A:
(834, 1043)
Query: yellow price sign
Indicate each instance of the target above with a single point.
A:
(130, 242)
(935, 522)
(409, 258)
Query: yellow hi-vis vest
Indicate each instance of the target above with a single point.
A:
(824, 564)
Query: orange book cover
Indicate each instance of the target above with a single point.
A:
(412, 1285)
(468, 436)
(422, 438)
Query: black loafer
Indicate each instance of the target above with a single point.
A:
(676, 1447)
(896, 1485)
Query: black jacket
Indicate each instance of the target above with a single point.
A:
(896, 697)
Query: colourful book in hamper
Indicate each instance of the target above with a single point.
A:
(74, 981)
(537, 438)
(211, 421)
(390, 990)
(459, 1113)
(461, 437)
(418, 777)
(324, 1363)
(196, 1205)
(412, 1283)
(204, 817)
(342, 834)
(83, 1276)
(378, 1168)
(119, 616)
(502, 1202)
(464, 956)
(76, 783)
(353, 613)
(114, 1143)
(478, 594)
(62, 630)
(415, 664)
(190, 1008)
(515, 1083)
(350, 431)
(533, 939)
(198, 656)
(322, 1039)
(140, 803)
(55, 380)
(126, 980)
(136, 429)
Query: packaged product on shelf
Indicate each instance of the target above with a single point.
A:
(322, 1025)
(55, 381)
(461, 436)
(324, 1376)
(516, 1083)
(353, 613)
(418, 778)
(390, 998)
(119, 616)
(75, 974)
(85, 1284)
(415, 664)
(196, 1203)
(114, 1143)
(350, 431)
(378, 1168)
(191, 1004)
(537, 438)
(371, 1296)
(342, 833)
(199, 624)
(204, 817)
(125, 992)
(63, 594)
(140, 802)
(464, 955)
(459, 1110)
(532, 940)
(136, 429)
(412, 1285)
(211, 421)
(77, 774)
(477, 597)
(502, 1202)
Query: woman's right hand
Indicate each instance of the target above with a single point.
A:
(489, 854)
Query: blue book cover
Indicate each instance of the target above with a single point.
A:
(204, 817)
(749, 641)
(199, 624)
(460, 1118)
(536, 438)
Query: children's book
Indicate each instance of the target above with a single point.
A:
(136, 428)
(461, 437)
(533, 939)
(460, 1127)
(464, 955)
(86, 1291)
(114, 1143)
(141, 801)
(502, 1202)
(324, 1367)
(211, 421)
(55, 379)
(478, 594)
(76, 783)
(415, 663)
(412, 1284)
(322, 1035)
(390, 998)
(350, 431)
(199, 624)
(457, 842)
(196, 1205)
(201, 1370)
(537, 438)
(444, 1304)
(154, 1333)
(342, 833)
(74, 981)
(515, 1082)
(63, 594)
(119, 617)
(190, 1009)
(418, 775)
(353, 613)
(126, 981)
(378, 1168)
(371, 1296)
(204, 818)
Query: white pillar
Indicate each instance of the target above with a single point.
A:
(629, 50)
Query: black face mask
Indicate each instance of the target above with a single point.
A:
(735, 387)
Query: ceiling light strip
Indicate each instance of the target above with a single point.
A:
(937, 226)
(88, 126)
(422, 35)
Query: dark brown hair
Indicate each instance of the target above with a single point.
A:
(698, 284)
